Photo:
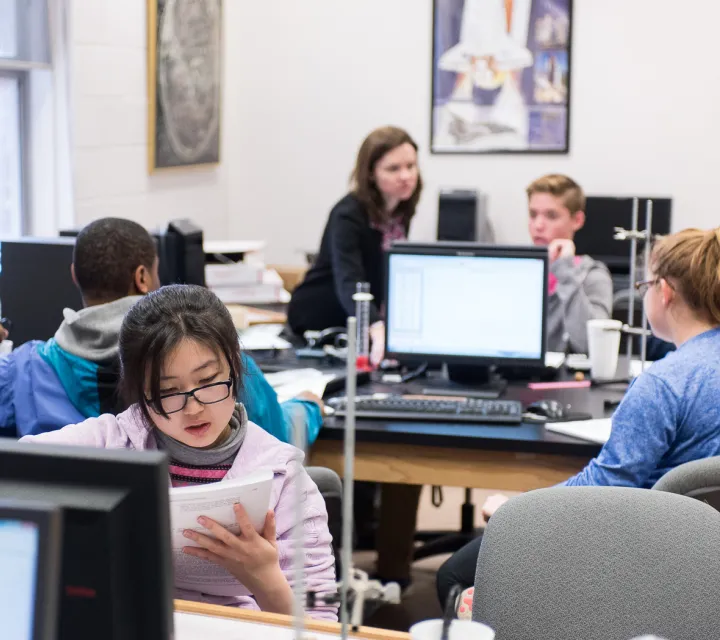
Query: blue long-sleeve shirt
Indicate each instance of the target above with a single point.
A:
(277, 418)
(43, 388)
(669, 416)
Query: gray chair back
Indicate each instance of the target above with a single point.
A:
(699, 479)
(600, 563)
(330, 486)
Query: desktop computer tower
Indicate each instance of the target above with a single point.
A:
(462, 217)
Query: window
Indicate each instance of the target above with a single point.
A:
(24, 47)
(11, 204)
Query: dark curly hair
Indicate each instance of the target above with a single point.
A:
(107, 254)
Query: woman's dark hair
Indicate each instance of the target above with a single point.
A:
(157, 324)
(374, 147)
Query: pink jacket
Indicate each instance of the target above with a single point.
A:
(259, 449)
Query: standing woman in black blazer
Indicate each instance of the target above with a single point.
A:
(385, 189)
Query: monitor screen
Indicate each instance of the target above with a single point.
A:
(603, 214)
(19, 551)
(484, 305)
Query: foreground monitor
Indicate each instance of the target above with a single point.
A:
(116, 573)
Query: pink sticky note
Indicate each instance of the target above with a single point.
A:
(565, 384)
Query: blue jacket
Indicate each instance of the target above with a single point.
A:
(43, 388)
(669, 416)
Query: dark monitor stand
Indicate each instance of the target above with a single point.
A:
(476, 310)
(467, 381)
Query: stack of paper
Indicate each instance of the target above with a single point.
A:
(263, 336)
(591, 430)
(268, 291)
(288, 384)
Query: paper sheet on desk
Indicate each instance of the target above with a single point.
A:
(190, 626)
(262, 337)
(591, 430)
(215, 501)
(288, 384)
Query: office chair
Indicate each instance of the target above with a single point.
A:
(330, 486)
(438, 542)
(600, 563)
(699, 479)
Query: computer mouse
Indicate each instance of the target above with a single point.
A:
(550, 409)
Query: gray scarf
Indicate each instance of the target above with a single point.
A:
(223, 453)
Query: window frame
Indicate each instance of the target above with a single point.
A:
(21, 68)
(22, 79)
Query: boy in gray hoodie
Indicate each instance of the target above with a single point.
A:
(580, 288)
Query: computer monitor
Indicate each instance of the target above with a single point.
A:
(30, 536)
(466, 304)
(463, 217)
(116, 574)
(182, 257)
(36, 285)
(603, 214)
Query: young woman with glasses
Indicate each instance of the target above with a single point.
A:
(181, 374)
(670, 414)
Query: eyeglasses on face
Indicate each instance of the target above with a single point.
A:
(643, 286)
(207, 394)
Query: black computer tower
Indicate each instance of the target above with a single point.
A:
(462, 217)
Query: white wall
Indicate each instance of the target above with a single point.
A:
(109, 100)
(306, 81)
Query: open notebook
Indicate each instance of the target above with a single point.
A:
(590, 430)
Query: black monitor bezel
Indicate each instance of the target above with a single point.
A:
(475, 250)
(48, 519)
(143, 473)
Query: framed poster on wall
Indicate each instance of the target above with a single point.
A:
(501, 76)
(184, 83)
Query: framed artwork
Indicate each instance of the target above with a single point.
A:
(184, 83)
(501, 76)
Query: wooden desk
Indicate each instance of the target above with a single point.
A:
(198, 621)
(512, 458)
(244, 316)
(450, 467)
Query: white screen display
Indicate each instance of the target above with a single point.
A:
(18, 567)
(471, 306)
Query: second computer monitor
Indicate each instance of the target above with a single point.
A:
(462, 303)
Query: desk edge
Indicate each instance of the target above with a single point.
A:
(280, 620)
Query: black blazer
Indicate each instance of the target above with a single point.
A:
(350, 252)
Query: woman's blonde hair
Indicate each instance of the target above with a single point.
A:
(690, 262)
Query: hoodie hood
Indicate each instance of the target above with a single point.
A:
(93, 333)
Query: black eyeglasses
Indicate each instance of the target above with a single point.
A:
(207, 394)
(643, 286)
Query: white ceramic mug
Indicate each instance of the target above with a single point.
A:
(459, 630)
(603, 347)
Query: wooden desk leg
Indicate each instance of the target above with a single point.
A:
(396, 529)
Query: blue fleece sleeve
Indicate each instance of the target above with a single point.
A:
(303, 412)
(643, 429)
(7, 396)
(263, 408)
(261, 402)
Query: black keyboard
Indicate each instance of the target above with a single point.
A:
(436, 410)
